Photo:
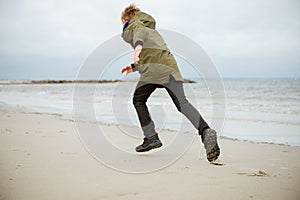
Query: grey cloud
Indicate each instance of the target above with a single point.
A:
(67, 31)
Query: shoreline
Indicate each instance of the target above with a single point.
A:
(69, 117)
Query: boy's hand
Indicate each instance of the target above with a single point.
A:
(128, 69)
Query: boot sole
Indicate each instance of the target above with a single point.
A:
(211, 146)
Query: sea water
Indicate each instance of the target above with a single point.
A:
(255, 110)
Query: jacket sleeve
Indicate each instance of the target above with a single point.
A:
(139, 34)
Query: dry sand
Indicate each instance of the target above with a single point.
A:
(41, 157)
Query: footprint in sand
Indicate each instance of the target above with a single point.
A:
(260, 173)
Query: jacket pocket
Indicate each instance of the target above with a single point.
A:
(144, 70)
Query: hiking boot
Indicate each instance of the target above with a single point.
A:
(209, 139)
(149, 144)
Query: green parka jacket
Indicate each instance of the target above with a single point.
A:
(156, 62)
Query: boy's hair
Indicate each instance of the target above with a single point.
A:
(129, 12)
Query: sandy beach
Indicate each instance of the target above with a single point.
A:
(41, 157)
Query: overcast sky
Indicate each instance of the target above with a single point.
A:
(50, 39)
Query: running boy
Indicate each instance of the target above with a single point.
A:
(158, 69)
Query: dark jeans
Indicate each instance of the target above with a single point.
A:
(175, 90)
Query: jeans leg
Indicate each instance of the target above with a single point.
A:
(176, 92)
(141, 94)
